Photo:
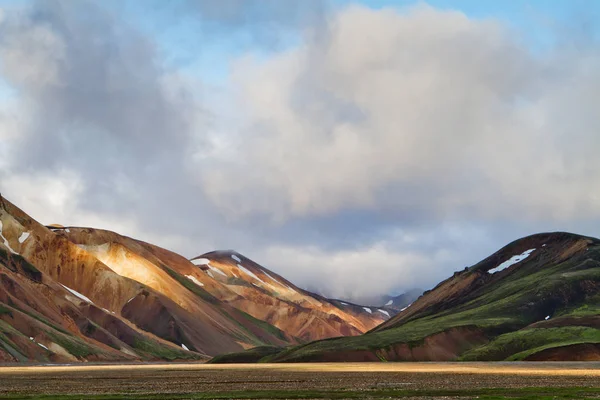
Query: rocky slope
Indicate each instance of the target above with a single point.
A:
(538, 298)
(60, 302)
(270, 297)
(70, 294)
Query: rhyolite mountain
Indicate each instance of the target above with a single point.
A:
(538, 298)
(72, 294)
(400, 302)
(270, 297)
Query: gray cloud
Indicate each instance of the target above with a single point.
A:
(426, 112)
(382, 151)
(96, 99)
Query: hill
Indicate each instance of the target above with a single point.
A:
(270, 297)
(538, 298)
(60, 301)
(82, 294)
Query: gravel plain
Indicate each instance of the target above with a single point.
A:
(140, 379)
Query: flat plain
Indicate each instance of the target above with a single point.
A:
(304, 381)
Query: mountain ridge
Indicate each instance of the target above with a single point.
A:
(83, 294)
(540, 301)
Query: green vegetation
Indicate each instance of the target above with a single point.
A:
(5, 310)
(590, 307)
(161, 351)
(542, 393)
(249, 356)
(496, 307)
(203, 294)
(516, 346)
(7, 344)
(43, 320)
(72, 344)
(273, 330)
(191, 286)
(18, 261)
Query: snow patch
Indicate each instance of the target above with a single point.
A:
(217, 270)
(406, 307)
(341, 302)
(250, 273)
(384, 312)
(367, 309)
(129, 301)
(210, 274)
(193, 279)
(6, 241)
(24, 236)
(389, 303)
(547, 318)
(236, 258)
(273, 279)
(512, 261)
(183, 346)
(76, 293)
(95, 248)
(544, 245)
(39, 344)
(68, 230)
(200, 261)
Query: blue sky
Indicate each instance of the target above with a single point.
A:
(208, 55)
(536, 20)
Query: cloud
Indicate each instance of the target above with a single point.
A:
(94, 99)
(402, 260)
(421, 110)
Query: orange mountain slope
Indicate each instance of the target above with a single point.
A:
(69, 294)
(59, 301)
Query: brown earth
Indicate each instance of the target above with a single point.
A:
(59, 302)
(268, 296)
(71, 294)
(575, 352)
(551, 248)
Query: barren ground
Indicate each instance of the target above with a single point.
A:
(364, 380)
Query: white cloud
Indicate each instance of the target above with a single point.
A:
(417, 109)
(359, 274)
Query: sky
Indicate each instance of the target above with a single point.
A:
(358, 148)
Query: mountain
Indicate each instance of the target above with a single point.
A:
(106, 300)
(69, 294)
(400, 302)
(270, 297)
(538, 298)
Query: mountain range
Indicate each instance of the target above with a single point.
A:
(82, 294)
(538, 298)
(72, 294)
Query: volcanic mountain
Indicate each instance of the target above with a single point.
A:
(69, 294)
(272, 298)
(538, 298)
(400, 302)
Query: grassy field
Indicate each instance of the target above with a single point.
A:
(304, 381)
(516, 346)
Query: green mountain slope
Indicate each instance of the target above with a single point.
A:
(536, 298)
